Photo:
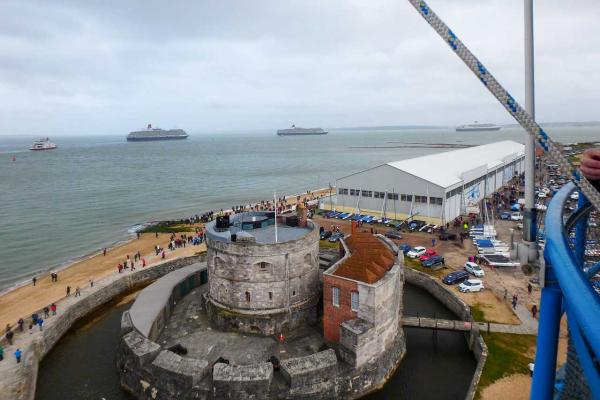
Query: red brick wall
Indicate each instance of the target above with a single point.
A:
(333, 316)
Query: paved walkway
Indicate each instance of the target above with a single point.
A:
(13, 376)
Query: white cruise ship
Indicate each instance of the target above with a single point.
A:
(475, 126)
(43, 144)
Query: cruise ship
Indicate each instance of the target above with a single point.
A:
(478, 127)
(296, 131)
(151, 133)
(43, 144)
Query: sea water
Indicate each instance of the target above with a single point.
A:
(56, 206)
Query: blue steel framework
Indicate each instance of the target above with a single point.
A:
(570, 246)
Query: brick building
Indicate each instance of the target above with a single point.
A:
(365, 286)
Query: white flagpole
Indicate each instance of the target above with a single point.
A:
(275, 200)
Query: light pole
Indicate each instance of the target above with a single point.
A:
(529, 245)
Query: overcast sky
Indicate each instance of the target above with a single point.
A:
(109, 67)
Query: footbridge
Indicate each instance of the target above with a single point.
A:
(464, 326)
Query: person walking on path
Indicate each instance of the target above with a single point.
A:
(9, 337)
(505, 294)
(31, 328)
(1, 353)
(91, 283)
(18, 354)
(20, 323)
(68, 291)
(143, 262)
(46, 312)
(529, 288)
(514, 302)
(534, 311)
(77, 292)
(53, 308)
(41, 324)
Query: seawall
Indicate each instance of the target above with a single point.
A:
(19, 381)
(462, 310)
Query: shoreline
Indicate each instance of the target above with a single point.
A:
(117, 246)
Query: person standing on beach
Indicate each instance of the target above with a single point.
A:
(41, 324)
(104, 252)
(34, 279)
(30, 328)
(68, 291)
(9, 337)
(91, 283)
(18, 354)
(77, 292)
(163, 255)
(143, 262)
(20, 322)
(53, 308)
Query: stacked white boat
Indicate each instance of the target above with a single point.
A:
(489, 248)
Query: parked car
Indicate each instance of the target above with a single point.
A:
(505, 215)
(474, 269)
(428, 253)
(447, 236)
(574, 195)
(336, 236)
(471, 285)
(416, 224)
(405, 248)
(516, 216)
(416, 251)
(541, 195)
(432, 261)
(325, 235)
(455, 277)
(393, 234)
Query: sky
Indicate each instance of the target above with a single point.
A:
(72, 67)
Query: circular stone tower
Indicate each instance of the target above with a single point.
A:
(263, 277)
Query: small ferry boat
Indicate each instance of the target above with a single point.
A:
(43, 144)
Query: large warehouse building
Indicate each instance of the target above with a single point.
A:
(438, 187)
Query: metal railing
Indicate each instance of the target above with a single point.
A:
(569, 287)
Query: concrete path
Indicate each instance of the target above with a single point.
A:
(15, 376)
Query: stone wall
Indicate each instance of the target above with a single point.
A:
(263, 283)
(53, 332)
(242, 381)
(312, 376)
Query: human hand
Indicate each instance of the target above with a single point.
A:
(590, 164)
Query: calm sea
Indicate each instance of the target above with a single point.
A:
(58, 205)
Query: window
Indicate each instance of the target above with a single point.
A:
(406, 197)
(439, 201)
(248, 296)
(270, 295)
(263, 265)
(392, 196)
(342, 191)
(293, 292)
(367, 193)
(353, 192)
(335, 292)
(379, 195)
(354, 301)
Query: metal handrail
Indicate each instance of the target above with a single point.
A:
(581, 303)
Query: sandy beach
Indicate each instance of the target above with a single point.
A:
(22, 301)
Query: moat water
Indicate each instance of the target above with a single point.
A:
(82, 364)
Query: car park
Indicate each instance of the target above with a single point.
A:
(428, 253)
(474, 268)
(455, 277)
(336, 237)
(393, 234)
(325, 235)
(433, 261)
(416, 252)
(471, 285)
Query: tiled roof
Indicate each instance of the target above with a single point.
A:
(369, 259)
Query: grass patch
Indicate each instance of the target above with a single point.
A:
(168, 227)
(477, 312)
(326, 244)
(507, 355)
